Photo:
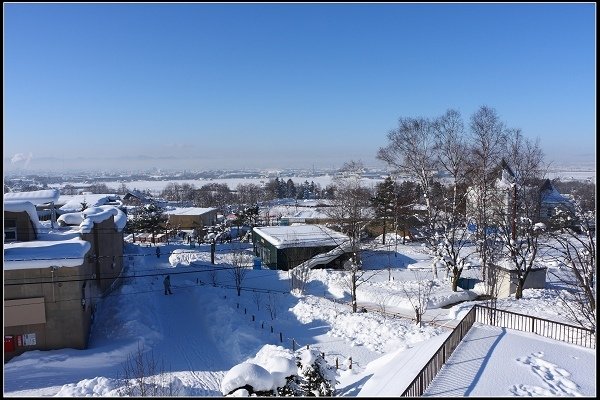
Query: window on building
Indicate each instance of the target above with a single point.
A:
(10, 230)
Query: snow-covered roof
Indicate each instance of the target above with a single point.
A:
(44, 254)
(549, 194)
(301, 236)
(72, 203)
(86, 219)
(24, 206)
(37, 197)
(189, 211)
(509, 265)
(310, 214)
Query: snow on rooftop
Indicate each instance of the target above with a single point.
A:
(509, 265)
(86, 219)
(24, 206)
(189, 211)
(36, 197)
(72, 203)
(301, 235)
(45, 254)
(551, 195)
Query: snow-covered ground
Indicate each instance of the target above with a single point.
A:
(204, 330)
(578, 172)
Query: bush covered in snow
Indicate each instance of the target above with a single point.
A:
(276, 371)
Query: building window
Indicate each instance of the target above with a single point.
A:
(265, 254)
(10, 230)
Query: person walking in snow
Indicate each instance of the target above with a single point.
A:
(167, 283)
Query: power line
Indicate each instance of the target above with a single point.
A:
(200, 283)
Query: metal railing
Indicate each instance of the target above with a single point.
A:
(544, 327)
(501, 318)
(433, 366)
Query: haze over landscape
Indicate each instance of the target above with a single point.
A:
(233, 86)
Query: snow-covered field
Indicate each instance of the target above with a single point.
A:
(581, 173)
(204, 330)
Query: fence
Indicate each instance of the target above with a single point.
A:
(501, 318)
(540, 326)
(433, 366)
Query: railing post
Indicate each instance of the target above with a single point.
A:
(444, 353)
(533, 324)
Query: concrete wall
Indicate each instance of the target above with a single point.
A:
(65, 320)
(107, 244)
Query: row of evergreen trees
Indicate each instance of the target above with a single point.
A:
(282, 189)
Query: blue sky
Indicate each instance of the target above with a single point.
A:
(214, 86)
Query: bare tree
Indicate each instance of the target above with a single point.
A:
(355, 276)
(257, 298)
(577, 251)
(249, 193)
(488, 144)
(412, 149)
(216, 195)
(271, 306)
(351, 208)
(241, 262)
(518, 206)
(452, 152)
(523, 249)
(351, 211)
(418, 293)
(144, 376)
(382, 299)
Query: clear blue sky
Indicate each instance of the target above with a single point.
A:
(285, 85)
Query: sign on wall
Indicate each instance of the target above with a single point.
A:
(29, 339)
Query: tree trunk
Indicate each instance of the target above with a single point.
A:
(354, 292)
(519, 290)
(455, 279)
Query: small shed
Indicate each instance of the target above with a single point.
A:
(191, 217)
(507, 279)
(285, 247)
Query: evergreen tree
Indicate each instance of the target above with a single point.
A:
(290, 190)
(150, 218)
(317, 378)
(384, 202)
